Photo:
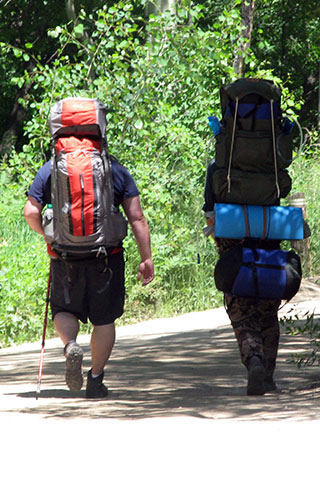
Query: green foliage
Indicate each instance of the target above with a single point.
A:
(305, 174)
(308, 328)
(157, 80)
(23, 267)
(160, 79)
(286, 39)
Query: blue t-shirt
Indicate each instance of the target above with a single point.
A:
(123, 183)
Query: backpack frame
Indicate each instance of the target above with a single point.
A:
(252, 147)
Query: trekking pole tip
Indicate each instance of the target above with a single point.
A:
(38, 389)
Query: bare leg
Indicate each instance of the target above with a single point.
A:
(102, 341)
(67, 326)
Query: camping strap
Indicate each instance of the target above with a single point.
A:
(254, 269)
(246, 220)
(247, 223)
(274, 149)
(232, 143)
(264, 233)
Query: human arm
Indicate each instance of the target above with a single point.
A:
(209, 201)
(210, 223)
(138, 223)
(32, 215)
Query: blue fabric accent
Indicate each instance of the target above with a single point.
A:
(263, 111)
(257, 280)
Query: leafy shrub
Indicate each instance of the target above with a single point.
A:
(160, 80)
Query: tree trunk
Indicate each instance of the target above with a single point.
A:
(311, 104)
(160, 6)
(15, 122)
(70, 10)
(247, 12)
(11, 135)
(72, 16)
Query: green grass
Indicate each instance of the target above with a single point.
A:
(181, 284)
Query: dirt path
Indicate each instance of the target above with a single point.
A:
(182, 383)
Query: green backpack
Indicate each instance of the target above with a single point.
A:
(254, 146)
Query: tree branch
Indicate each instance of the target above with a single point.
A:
(247, 13)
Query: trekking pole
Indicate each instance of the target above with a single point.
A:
(43, 336)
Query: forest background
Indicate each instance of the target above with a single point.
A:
(158, 67)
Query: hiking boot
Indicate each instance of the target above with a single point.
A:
(95, 387)
(74, 355)
(270, 384)
(256, 376)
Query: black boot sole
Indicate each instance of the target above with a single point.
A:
(256, 385)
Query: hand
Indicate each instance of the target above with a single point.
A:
(146, 270)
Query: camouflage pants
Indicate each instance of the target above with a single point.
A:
(256, 327)
(254, 321)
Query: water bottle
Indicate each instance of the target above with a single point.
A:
(214, 124)
(47, 223)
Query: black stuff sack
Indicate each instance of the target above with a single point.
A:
(259, 273)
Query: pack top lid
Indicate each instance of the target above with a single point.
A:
(248, 86)
(78, 116)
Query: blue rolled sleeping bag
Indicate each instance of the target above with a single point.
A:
(253, 221)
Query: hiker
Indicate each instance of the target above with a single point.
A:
(89, 285)
(254, 321)
(252, 152)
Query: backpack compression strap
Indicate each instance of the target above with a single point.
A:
(273, 143)
(232, 144)
(247, 223)
(274, 149)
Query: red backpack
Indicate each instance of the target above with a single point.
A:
(84, 217)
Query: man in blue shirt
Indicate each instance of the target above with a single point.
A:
(89, 290)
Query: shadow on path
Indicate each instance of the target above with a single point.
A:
(196, 373)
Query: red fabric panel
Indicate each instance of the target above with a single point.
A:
(79, 165)
(78, 112)
(70, 144)
(51, 252)
(116, 250)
